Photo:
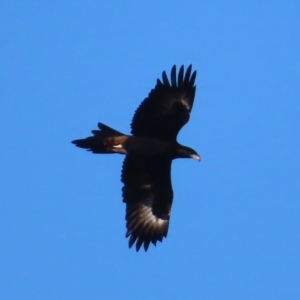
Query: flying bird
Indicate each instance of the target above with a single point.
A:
(150, 150)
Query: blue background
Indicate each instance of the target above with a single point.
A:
(235, 226)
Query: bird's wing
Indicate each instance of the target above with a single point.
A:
(167, 108)
(148, 195)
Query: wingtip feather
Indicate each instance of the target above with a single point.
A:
(180, 76)
(132, 240)
(193, 78)
(146, 244)
(139, 243)
(187, 75)
(165, 79)
(173, 76)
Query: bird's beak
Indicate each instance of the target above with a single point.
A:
(195, 156)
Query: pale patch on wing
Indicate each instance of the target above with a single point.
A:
(148, 195)
(186, 103)
(146, 186)
(143, 226)
(119, 146)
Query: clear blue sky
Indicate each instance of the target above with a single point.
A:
(235, 226)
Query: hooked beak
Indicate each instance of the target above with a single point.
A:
(195, 156)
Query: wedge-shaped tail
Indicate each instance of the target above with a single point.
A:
(97, 142)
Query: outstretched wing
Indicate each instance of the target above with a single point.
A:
(167, 108)
(148, 195)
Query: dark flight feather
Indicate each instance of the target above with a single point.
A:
(146, 172)
(167, 108)
(148, 195)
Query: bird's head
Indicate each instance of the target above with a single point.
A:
(186, 152)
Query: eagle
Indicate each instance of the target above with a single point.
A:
(149, 152)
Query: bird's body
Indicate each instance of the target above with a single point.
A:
(149, 151)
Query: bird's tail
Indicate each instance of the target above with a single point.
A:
(96, 143)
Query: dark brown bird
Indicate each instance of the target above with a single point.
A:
(149, 151)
